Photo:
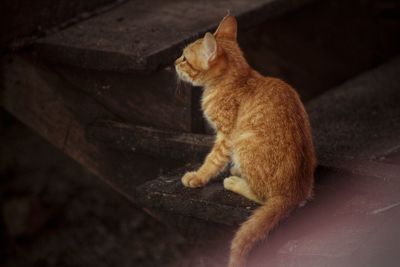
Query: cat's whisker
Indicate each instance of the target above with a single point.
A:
(181, 86)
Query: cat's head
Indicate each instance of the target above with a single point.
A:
(208, 58)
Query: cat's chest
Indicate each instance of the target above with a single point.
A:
(212, 120)
(218, 111)
(210, 111)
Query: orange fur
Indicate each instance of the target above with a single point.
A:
(261, 127)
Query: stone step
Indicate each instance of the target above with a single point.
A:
(360, 119)
(184, 147)
(212, 203)
(354, 126)
(143, 35)
(26, 21)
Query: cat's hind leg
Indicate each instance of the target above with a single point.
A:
(235, 171)
(240, 186)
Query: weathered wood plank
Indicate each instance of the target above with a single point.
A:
(212, 203)
(24, 18)
(144, 35)
(360, 119)
(61, 114)
(154, 99)
(145, 99)
(185, 147)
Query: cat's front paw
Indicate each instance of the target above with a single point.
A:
(192, 179)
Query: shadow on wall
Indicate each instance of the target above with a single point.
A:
(318, 46)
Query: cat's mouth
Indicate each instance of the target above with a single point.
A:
(183, 76)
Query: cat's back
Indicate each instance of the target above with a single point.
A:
(275, 91)
(273, 124)
(270, 99)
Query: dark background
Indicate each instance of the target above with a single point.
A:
(54, 213)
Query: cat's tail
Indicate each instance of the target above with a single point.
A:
(257, 227)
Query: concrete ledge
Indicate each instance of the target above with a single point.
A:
(359, 120)
(211, 203)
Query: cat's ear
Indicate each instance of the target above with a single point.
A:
(209, 47)
(227, 28)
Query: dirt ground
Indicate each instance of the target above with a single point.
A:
(53, 213)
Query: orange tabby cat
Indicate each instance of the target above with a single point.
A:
(261, 127)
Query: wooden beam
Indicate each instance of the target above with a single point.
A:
(61, 114)
(184, 147)
(149, 99)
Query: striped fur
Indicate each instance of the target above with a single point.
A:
(261, 128)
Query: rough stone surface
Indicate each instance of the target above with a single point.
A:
(23, 18)
(141, 35)
(151, 141)
(211, 203)
(359, 119)
(349, 223)
(393, 157)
